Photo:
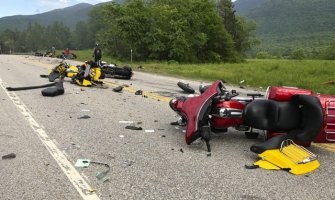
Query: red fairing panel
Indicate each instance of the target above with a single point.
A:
(192, 108)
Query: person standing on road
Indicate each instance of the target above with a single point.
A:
(67, 53)
(53, 51)
(97, 54)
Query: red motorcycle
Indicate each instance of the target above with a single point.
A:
(285, 113)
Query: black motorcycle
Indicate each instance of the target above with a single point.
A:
(113, 71)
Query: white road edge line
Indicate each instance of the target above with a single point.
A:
(69, 170)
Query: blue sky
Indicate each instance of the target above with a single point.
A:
(32, 7)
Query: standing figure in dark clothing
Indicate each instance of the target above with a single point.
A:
(97, 54)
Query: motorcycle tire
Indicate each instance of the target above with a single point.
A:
(125, 71)
(186, 87)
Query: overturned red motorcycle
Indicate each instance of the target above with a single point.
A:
(301, 114)
(286, 114)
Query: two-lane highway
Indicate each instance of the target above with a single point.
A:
(49, 134)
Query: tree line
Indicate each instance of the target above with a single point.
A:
(169, 30)
(179, 30)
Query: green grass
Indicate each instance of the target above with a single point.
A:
(307, 74)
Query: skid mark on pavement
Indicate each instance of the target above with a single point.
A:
(69, 170)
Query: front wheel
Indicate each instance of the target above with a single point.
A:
(186, 87)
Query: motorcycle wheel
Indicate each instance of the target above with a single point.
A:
(186, 87)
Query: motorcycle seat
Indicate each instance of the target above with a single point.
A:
(302, 123)
(272, 115)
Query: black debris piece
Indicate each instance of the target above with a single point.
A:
(9, 156)
(134, 128)
(118, 89)
(251, 166)
(139, 92)
(181, 150)
(174, 123)
(84, 117)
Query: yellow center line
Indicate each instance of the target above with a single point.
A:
(326, 146)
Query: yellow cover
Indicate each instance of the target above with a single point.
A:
(293, 158)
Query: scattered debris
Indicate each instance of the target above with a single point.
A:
(118, 89)
(174, 123)
(81, 163)
(139, 92)
(241, 84)
(128, 163)
(181, 150)
(101, 176)
(72, 146)
(163, 136)
(9, 156)
(134, 128)
(156, 120)
(121, 136)
(126, 122)
(84, 117)
(30, 87)
(149, 131)
(85, 110)
(53, 91)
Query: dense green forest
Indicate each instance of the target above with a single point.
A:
(185, 30)
(287, 27)
(179, 30)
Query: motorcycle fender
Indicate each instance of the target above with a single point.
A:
(282, 161)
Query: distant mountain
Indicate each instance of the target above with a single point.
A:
(69, 16)
(243, 6)
(291, 24)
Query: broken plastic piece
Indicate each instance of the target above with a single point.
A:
(149, 131)
(82, 163)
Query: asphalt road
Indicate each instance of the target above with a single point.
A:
(48, 136)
